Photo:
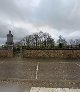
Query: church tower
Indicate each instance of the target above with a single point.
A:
(9, 38)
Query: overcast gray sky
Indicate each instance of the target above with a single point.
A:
(57, 17)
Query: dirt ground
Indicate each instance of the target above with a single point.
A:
(58, 73)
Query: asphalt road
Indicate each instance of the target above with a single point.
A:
(58, 73)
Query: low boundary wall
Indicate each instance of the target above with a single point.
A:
(51, 53)
(6, 53)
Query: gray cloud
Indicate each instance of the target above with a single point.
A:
(61, 16)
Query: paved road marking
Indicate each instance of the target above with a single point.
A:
(37, 68)
(43, 89)
(78, 64)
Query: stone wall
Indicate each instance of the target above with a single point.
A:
(51, 53)
(6, 53)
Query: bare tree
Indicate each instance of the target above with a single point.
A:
(38, 40)
(62, 42)
(72, 43)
